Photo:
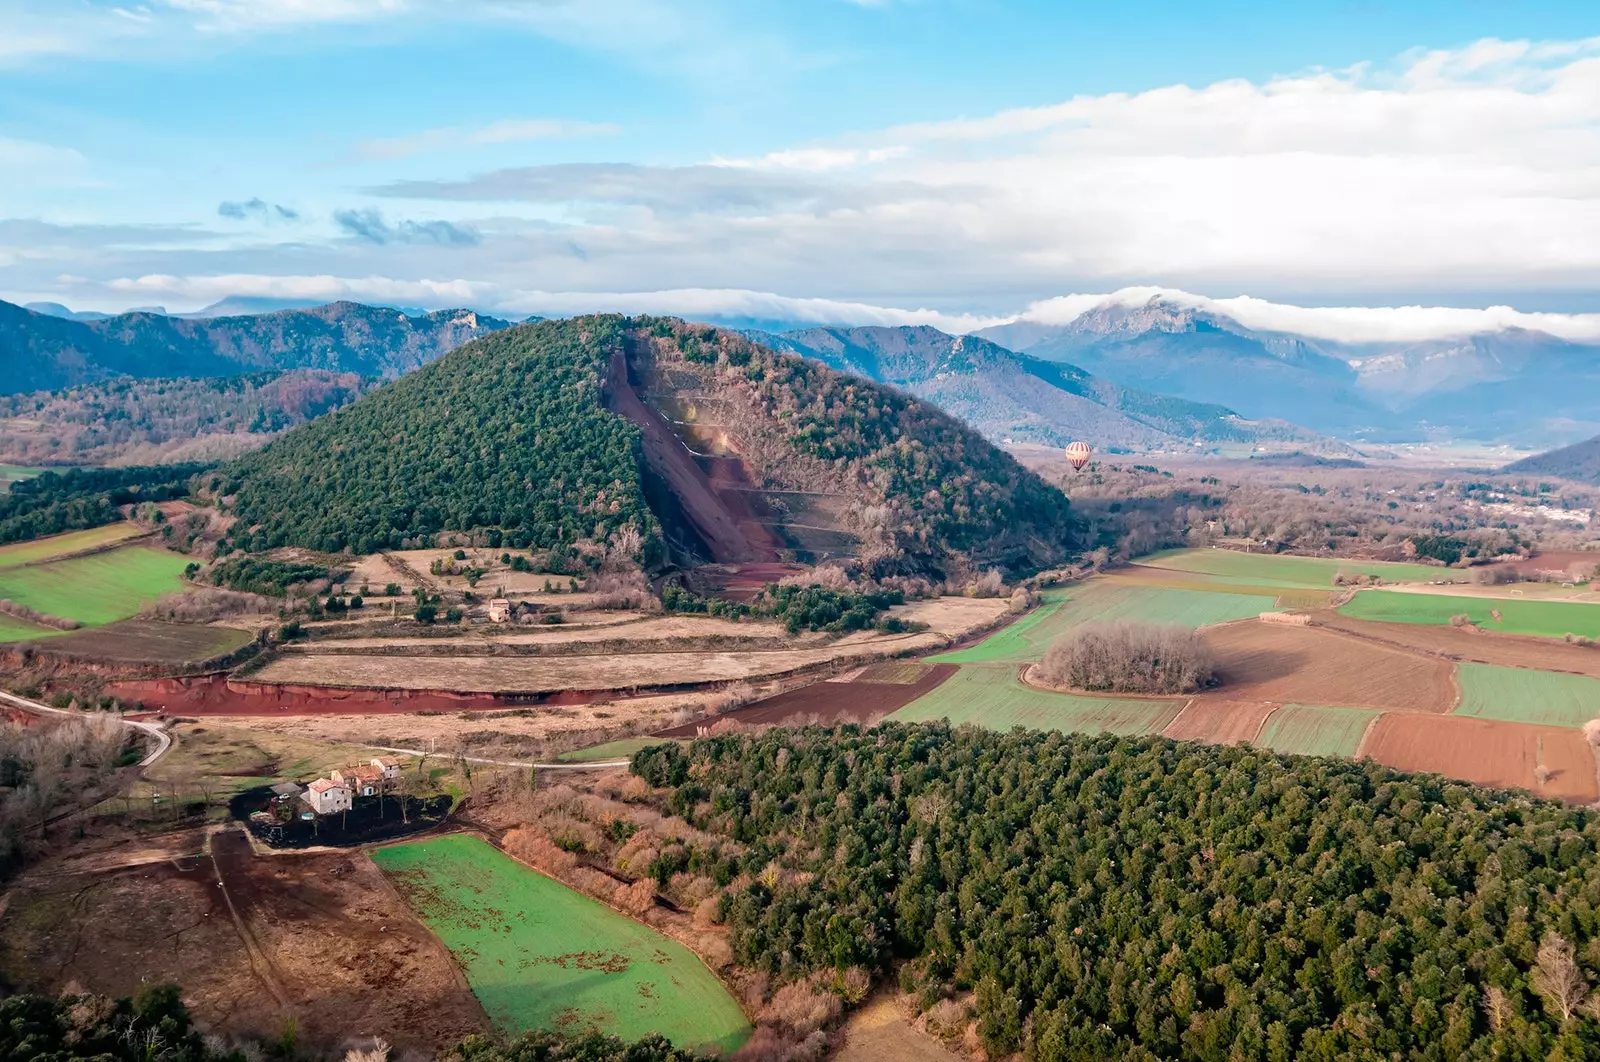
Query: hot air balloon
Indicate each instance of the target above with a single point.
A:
(1078, 455)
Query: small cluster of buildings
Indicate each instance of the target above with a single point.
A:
(338, 791)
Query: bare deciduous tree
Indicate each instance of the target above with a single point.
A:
(1557, 978)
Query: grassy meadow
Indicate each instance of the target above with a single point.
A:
(1548, 619)
(1311, 730)
(1266, 569)
(98, 589)
(43, 549)
(540, 956)
(1522, 695)
(995, 698)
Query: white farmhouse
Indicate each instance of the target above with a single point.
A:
(328, 797)
(389, 766)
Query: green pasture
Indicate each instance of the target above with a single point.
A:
(1104, 599)
(15, 630)
(540, 956)
(621, 749)
(1269, 569)
(1522, 695)
(98, 589)
(1549, 619)
(1312, 730)
(995, 698)
(42, 549)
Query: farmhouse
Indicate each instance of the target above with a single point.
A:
(499, 610)
(327, 797)
(361, 780)
(388, 765)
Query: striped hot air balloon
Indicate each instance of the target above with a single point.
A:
(1078, 455)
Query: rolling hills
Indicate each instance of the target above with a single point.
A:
(43, 352)
(648, 433)
(1016, 398)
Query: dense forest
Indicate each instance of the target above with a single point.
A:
(153, 421)
(80, 498)
(507, 433)
(1101, 897)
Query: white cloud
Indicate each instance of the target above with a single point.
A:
(452, 138)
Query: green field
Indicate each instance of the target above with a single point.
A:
(540, 956)
(41, 549)
(1106, 599)
(1522, 695)
(1549, 619)
(621, 749)
(1266, 569)
(15, 630)
(98, 589)
(993, 697)
(10, 474)
(1310, 730)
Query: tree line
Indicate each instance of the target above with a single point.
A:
(1081, 897)
(81, 498)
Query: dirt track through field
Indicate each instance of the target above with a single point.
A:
(1488, 752)
(1259, 661)
(1507, 650)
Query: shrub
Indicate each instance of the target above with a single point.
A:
(1460, 619)
(1125, 657)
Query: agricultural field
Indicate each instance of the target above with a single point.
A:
(1105, 598)
(10, 474)
(1285, 596)
(1506, 650)
(1548, 761)
(621, 749)
(1264, 569)
(137, 641)
(1216, 721)
(15, 630)
(1521, 695)
(1313, 730)
(53, 546)
(1270, 662)
(539, 955)
(1547, 619)
(98, 589)
(995, 698)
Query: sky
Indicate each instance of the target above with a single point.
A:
(832, 158)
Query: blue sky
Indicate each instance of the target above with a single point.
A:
(953, 154)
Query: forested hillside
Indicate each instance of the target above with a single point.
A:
(508, 433)
(1580, 461)
(129, 420)
(1102, 897)
(513, 433)
(39, 352)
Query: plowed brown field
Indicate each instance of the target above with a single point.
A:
(1219, 722)
(1309, 665)
(1507, 650)
(1488, 753)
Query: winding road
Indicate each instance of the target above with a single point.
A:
(163, 741)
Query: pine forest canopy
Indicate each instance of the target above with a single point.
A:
(1106, 897)
(512, 433)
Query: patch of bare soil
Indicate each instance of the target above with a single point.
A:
(862, 701)
(320, 939)
(1482, 647)
(1219, 722)
(1549, 761)
(878, 1031)
(1313, 665)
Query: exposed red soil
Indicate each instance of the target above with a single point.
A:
(740, 582)
(828, 703)
(1218, 721)
(726, 533)
(1487, 752)
(1259, 661)
(1482, 647)
(219, 695)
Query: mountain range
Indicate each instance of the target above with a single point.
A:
(1013, 397)
(1512, 385)
(43, 352)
